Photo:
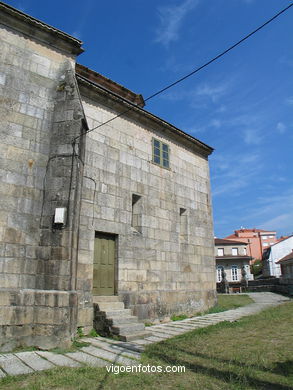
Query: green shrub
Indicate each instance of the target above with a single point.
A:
(93, 333)
(256, 267)
(79, 332)
(179, 317)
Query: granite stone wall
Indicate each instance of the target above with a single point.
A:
(160, 269)
(38, 101)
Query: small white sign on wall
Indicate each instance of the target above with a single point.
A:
(60, 215)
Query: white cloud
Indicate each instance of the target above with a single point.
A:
(211, 92)
(171, 18)
(252, 136)
(232, 173)
(201, 96)
(289, 101)
(281, 127)
(250, 127)
(221, 109)
(274, 212)
(217, 123)
(282, 222)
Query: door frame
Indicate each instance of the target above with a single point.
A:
(115, 237)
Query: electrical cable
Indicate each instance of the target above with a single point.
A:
(194, 71)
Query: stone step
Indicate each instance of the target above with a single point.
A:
(155, 339)
(131, 346)
(179, 326)
(113, 347)
(161, 335)
(135, 336)
(116, 321)
(87, 359)
(58, 359)
(106, 298)
(175, 331)
(116, 313)
(33, 360)
(126, 329)
(141, 342)
(110, 306)
(13, 366)
(110, 356)
(167, 331)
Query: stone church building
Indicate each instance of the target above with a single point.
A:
(93, 209)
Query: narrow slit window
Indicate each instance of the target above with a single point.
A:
(136, 217)
(161, 153)
(183, 225)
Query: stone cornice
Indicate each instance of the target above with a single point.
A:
(108, 98)
(40, 31)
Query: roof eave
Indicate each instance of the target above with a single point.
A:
(199, 146)
(34, 28)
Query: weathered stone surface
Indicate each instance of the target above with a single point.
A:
(33, 360)
(58, 359)
(159, 273)
(87, 359)
(115, 348)
(13, 366)
(107, 355)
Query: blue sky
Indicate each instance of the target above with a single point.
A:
(241, 105)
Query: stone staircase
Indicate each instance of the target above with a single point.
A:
(112, 319)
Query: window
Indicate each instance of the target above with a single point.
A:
(220, 251)
(265, 244)
(234, 272)
(161, 153)
(219, 273)
(245, 251)
(183, 225)
(234, 251)
(271, 236)
(136, 216)
(264, 237)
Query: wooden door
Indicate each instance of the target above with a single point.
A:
(104, 264)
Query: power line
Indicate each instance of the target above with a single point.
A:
(221, 54)
(195, 70)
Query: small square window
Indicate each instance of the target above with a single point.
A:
(234, 251)
(161, 153)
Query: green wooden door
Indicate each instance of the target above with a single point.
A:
(104, 264)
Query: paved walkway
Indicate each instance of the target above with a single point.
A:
(104, 352)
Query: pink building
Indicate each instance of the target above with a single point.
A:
(257, 240)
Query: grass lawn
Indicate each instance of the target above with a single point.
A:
(227, 302)
(255, 352)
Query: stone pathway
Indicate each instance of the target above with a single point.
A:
(104, 352)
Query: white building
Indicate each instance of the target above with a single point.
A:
(272, 255)
(231, 257)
